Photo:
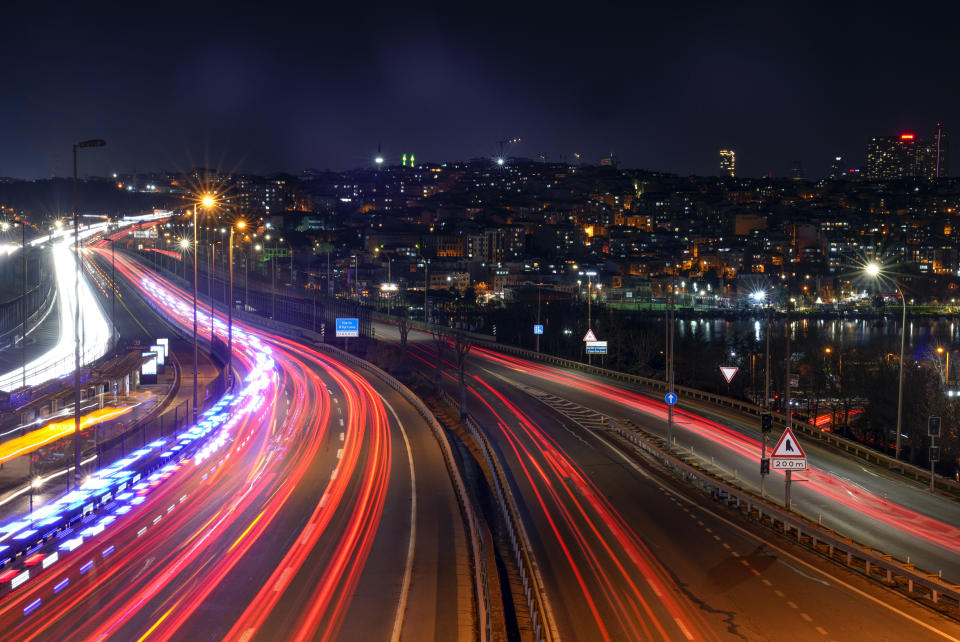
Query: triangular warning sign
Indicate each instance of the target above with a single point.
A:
(788, 447)
(728, 372)
(589, 336)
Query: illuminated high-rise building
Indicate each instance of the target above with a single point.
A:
(728, 163)
(907, 155)
(838, 168)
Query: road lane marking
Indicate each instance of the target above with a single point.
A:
(283, 578)
(408, 570)
(781, 551)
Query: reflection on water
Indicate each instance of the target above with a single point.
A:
(841, 333)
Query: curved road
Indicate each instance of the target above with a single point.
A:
(312, 517)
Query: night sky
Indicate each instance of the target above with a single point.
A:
(268, 87)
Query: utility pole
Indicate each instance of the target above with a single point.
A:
(670, 364)
(113, 281)
(210, 285)
(196, 253)
(537, 336)
(766, 404)
(77, 337)
(589, 356)
(426, 289)
(789, 411)
(23, 304)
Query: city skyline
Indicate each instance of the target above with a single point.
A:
(661, 88)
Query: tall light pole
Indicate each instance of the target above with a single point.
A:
(96, 142)
(240, 225)
(23, 300)
(537, 336)
(207, 201)
(875, 271)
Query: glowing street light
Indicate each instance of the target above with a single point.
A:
(208, 202)
(96, 142)
(239, 225)
(875, 271)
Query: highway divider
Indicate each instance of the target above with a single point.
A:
(541, 617)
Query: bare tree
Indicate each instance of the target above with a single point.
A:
(404, 331)
(439, 338)
(462, 346)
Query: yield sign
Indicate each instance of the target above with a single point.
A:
(589, 336)
(728, 372)
(788, 447)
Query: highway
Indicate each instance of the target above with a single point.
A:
(626, 554)
(322, 499)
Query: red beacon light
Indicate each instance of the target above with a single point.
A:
(907, 136)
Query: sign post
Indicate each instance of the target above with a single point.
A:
(347, 327)
(933, 430)
(788, 456)
(728, 372)
(766, 425)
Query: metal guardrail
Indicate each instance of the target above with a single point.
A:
(541, 617)
(874, 564)
(10, 332)
(848, 446)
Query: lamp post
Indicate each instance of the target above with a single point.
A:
(96, 142)
(240, 226)
(23, 300)
(207, 201)
(875, 271)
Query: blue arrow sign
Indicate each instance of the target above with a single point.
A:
(671, 398)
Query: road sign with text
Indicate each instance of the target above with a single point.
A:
(348, 327)
(596, 347)
(787, 454)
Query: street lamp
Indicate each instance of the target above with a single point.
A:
(208, 202)
(240, 225)
(875, 271)
(96, 142)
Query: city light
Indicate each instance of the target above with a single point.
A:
(207, 201)
(872, 269)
